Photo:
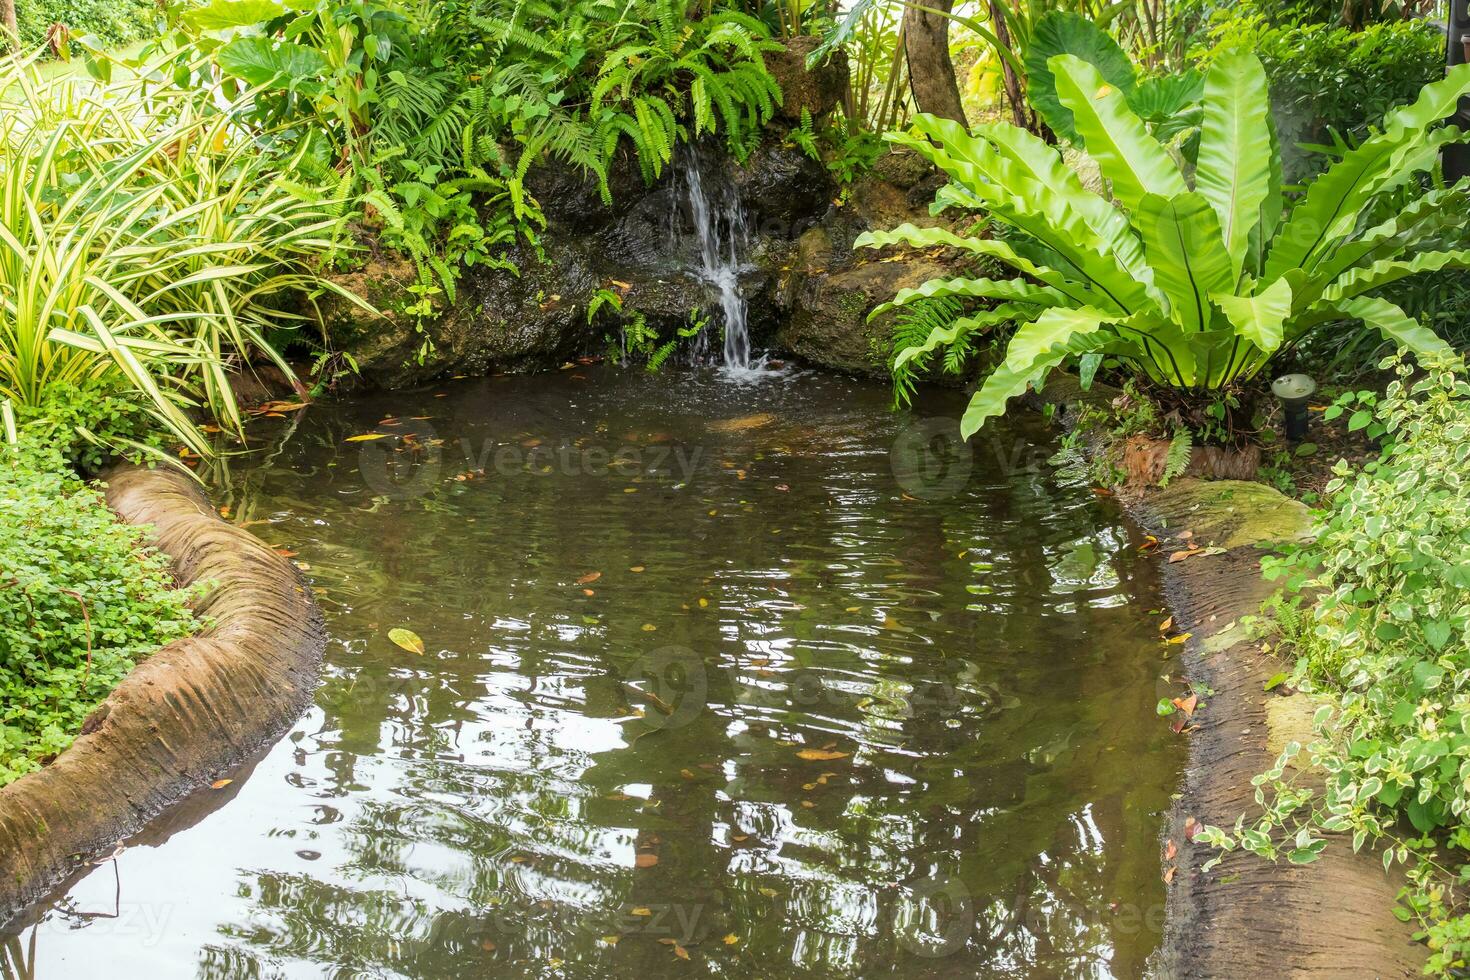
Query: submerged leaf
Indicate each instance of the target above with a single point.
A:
(407, 639)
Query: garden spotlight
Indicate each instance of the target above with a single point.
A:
(1294, 390)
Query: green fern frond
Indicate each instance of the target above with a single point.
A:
(913, 324)
(1176, 461)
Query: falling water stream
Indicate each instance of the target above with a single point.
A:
(723, 236)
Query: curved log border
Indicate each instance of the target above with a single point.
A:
(1248, 918)
(183, 716)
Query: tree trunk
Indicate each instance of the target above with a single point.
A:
(1015, 92)
(1021, 112)
(11, 33)
(931, 73)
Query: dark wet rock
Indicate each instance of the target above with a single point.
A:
(829, 323)
(642, 246)
(784, 190)
(828, 288)
(804, 286)
(499, 321)
(818, 90)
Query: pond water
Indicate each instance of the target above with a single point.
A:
(758, 680)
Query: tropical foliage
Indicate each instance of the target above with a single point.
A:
(81, 600)
(141, 246)
(438, 112)
(1194, 272)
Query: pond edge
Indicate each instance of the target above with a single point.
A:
(1247, 917)
(185, 715)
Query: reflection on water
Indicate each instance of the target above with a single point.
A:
(719, 681)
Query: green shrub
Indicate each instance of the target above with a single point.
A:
(111, 22)
(91, 423)
(81, 601)
(1329, 83)
(1380, 628)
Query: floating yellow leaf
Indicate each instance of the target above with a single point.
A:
(649, 627)
(820, 755)
(642, 911)
(731, 939)
(611, 940)
(407, 639)
(368, 437)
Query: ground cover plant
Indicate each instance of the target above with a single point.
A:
(1375, 616)
(81, 601)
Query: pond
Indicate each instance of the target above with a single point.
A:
(718, 680)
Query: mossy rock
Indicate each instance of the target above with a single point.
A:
(1230, 513)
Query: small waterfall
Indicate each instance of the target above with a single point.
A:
(722, 237)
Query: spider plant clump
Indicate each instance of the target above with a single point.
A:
(1191, 272)
(147, 242)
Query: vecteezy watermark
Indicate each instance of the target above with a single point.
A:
(677, 922)
(932, 461)
(672, 685)
(938, 916)
(934, 916)
(413, 460)
(405, 465)
(674, 682)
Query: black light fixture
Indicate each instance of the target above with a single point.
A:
(1294, 390)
